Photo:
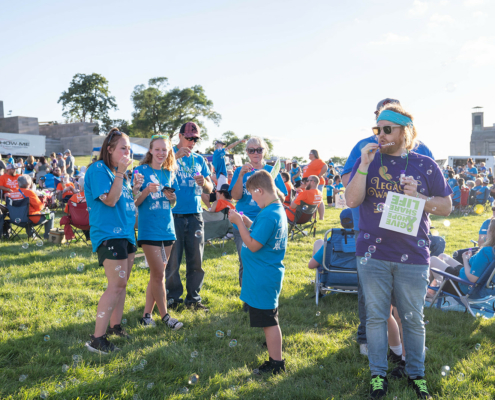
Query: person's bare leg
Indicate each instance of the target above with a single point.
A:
(393, 330)
(399, 324)
(116, 317)
(273, 336)
(317, 246)
(156, 284)
(321, 211)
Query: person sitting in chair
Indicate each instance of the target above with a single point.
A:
(35, 205)
(77, 197)
(65, 189)
(310, 196)
(223, 201)
(480, 194)
(288, 186)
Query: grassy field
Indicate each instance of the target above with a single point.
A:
(42, 292)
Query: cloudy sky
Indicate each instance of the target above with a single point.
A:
(307, 74)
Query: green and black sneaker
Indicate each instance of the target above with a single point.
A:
(419, 385)
(378, 387)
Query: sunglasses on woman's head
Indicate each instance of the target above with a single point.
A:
(192, 139)
(159, 137)
(118, 133)
(387, 129)
(252, 150)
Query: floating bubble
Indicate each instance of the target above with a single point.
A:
(316, 325)
(460, 377)
(115, 254)
(372, 249)
(193, 379)
(408, 316)
(79, 313)
(46, 338)
(427, 322)
(380, 207)
(80, 267)
(404, 257)
(73, 255)
(65, 368)
(318, 313)
(118, 268)
(77, 358)
(233, 343)
(39, 243)
(219, 334)
(446, 223)
(132, 309)
(117, 230)
(198, 233)
(44, 394)
(366, 235)
(22, 378)
(184, 390)
(367, 254)
(421, 243)
(195, 353)
(136, 397)
(445, 371)
(22, 327)
(420, 165)
(364, 260)
(150, 385)
(124, 321)
(477, 347)
(455, 254)
(433, 209)
(422, 190)
(101, 314)
(404, 155)
(429, 172)
(122, 274)
(378, 240)
(224, 253)
(25, 246)
(103, 197)
(229, 333)
(143, 363)
(321, 366)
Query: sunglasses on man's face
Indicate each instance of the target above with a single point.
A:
(252, 150)
(192, 139)
(387, 129)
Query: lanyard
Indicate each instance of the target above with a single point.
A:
(161, 175)
(384, 172)
(189, 169)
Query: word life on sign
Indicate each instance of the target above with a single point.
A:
(402, 213)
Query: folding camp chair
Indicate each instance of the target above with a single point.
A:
(79, 219)
(463, 207)
(338, 273)
(19, 219)
(216, 226)
(304, 218)
(482, 291)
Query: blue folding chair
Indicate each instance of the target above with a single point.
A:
(338, 273)
(482, 291)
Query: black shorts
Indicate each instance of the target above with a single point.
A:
(115, 249)
(449, 286)
(297, 184)
(263, 318)
(157, 243)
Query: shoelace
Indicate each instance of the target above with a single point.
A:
(421, 383)
(377, 383)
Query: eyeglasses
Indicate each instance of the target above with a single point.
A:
(118, 133)
(192, 139)
(387, 129)
(159, 137)
(252, 150)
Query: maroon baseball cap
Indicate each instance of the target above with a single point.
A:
(385, 101)
(190, 129)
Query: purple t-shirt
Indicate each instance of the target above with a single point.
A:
(393, 245)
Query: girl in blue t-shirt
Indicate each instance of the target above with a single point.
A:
(111, 218)
(156, 231)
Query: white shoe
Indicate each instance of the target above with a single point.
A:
(363, 349)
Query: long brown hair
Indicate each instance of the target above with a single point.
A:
(169, 163)
(410, 133)
(105, 155)
(490, 235)
(315, 153)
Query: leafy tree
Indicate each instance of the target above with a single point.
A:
(158, 110)
(108, 124)
(338, 160)
(88, 96)
(230, 137)
(300, 160)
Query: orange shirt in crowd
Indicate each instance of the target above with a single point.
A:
(289, 188)
(9, 181)
(312, 196)
(35, 204)
(222, 204)
(76, 198)
(69, 192)
(314, 168)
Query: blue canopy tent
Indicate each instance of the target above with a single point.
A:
(137, 152)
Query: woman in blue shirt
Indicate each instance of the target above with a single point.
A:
(295, 174)
(111, 218)
(156, 231)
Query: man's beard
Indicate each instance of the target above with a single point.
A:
(308, 186)
(393, 148)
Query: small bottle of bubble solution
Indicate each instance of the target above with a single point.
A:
(402, 176)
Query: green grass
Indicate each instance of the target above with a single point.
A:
(40, 288)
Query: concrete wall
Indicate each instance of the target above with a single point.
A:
(53, 146)
(67, 130)
(1, 110)
(25, 125)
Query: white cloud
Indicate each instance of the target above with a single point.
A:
(444, 2)
(473, 3)
(480, 14)
(418, 7)
(441, 19)
(479, 52)
(392, 38)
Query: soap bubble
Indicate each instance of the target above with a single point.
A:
(363, 261)
(184, 390)
(380, 207)
(404, 257)
(118, 268)
(429, 172)
(219, 334)
(224, 253)
(124, 321)
(233, 343)
(39, 243)
(22, 327)
(195, 353)
(372, 249)
(17, 220)
(25, 246)
(80, 267)
(117, 230)
(477, 347)
(367, 254)
(198, 233)
(72, 255)
(305, 208)
(408, 316)
(122, 274)
(132, 309)
(77, 358)
(378, 240)
(22, 378)
(318, 313)
(193, 379)
(143, 363)
(404, 155)
(445, 371)
(103, 197)
(65, 368)
(101, 314)
(150, 386)
(43, 394)
(229, 333)
(115, 254)
(46, 338)
(446, 223)
(421, 243)
(366, 235)
(460, 377)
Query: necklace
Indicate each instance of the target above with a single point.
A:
(161, 175)
(189, 169)
(383, 168)
(269, 204)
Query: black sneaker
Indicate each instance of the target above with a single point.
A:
(399, 371)
(147, 320)
(174, 304)
(270, 367)
(197, 306)
(393, 358)
(378, 387)
(172, 323)
(101, 345)
(117, 330)
(419, 385)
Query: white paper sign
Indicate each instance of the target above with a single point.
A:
(402, 213)
(340, 201)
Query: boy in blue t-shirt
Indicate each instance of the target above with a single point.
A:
(263, 251)
(329, 188)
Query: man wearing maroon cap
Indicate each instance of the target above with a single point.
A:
(193, 178)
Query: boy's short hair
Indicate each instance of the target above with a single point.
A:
(261, 180)
(330, 181)
(337, 177)
(470, 183)
(286, 176)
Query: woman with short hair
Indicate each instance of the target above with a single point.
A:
(41, 169)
